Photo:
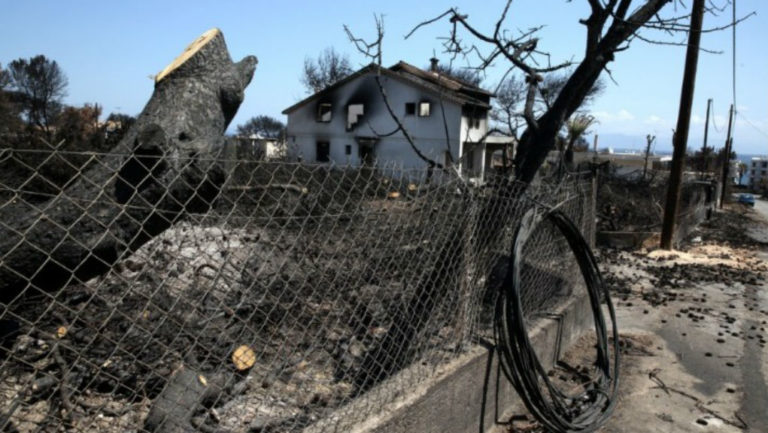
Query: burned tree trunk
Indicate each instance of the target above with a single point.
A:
(163, 167)
(183, 395)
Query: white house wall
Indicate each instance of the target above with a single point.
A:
(429, 133)
(758, 170)
(473, 155)
(473, 135)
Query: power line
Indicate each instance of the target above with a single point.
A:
(749, 122)
(733, 62)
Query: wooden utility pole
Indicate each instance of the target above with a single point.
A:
(680, 138)
(648, 143)
(706, 133)
(726, 158)
(706, 123)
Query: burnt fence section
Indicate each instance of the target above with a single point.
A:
(250, 295)
(633, 203)
(697, 203)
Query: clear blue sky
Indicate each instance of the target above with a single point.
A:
(109, 50)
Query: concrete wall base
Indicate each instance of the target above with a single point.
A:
(467, 395)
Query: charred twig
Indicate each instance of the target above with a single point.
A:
(653, 375)
(673, 44)
(66, 401)
(38, 387)
(284, 186)
(5, 418)
(673, 26)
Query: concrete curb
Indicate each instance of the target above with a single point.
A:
(467, 395)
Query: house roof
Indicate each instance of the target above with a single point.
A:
(455, 84)
(451, 89)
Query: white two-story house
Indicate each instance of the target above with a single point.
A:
(758, 173)
(349, 123)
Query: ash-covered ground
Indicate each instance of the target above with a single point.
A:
(311, 285)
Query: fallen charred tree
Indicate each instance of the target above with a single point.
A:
(164, 167)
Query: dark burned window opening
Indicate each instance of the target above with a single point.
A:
(474, 115)
(324, 112)
(425, 109)
(323, 151)
(410, 108)
(348, 149)
(354, 112)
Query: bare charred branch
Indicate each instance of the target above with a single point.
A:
(610, 27)
(673, 44)
(373, 51)
(403, 129)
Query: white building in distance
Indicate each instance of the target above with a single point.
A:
(758, 173)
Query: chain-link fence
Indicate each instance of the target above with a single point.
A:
(634, 202)
(175, 293)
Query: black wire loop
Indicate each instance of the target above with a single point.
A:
(557, 411)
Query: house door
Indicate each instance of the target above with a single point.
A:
(323, 151)
(367, 154)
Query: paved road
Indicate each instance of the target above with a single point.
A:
(761, 206)
(698, 361)
(757, 231)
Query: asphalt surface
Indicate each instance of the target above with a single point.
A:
(761, 206)
(699, 361)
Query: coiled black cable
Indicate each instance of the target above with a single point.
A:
(558, 412)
